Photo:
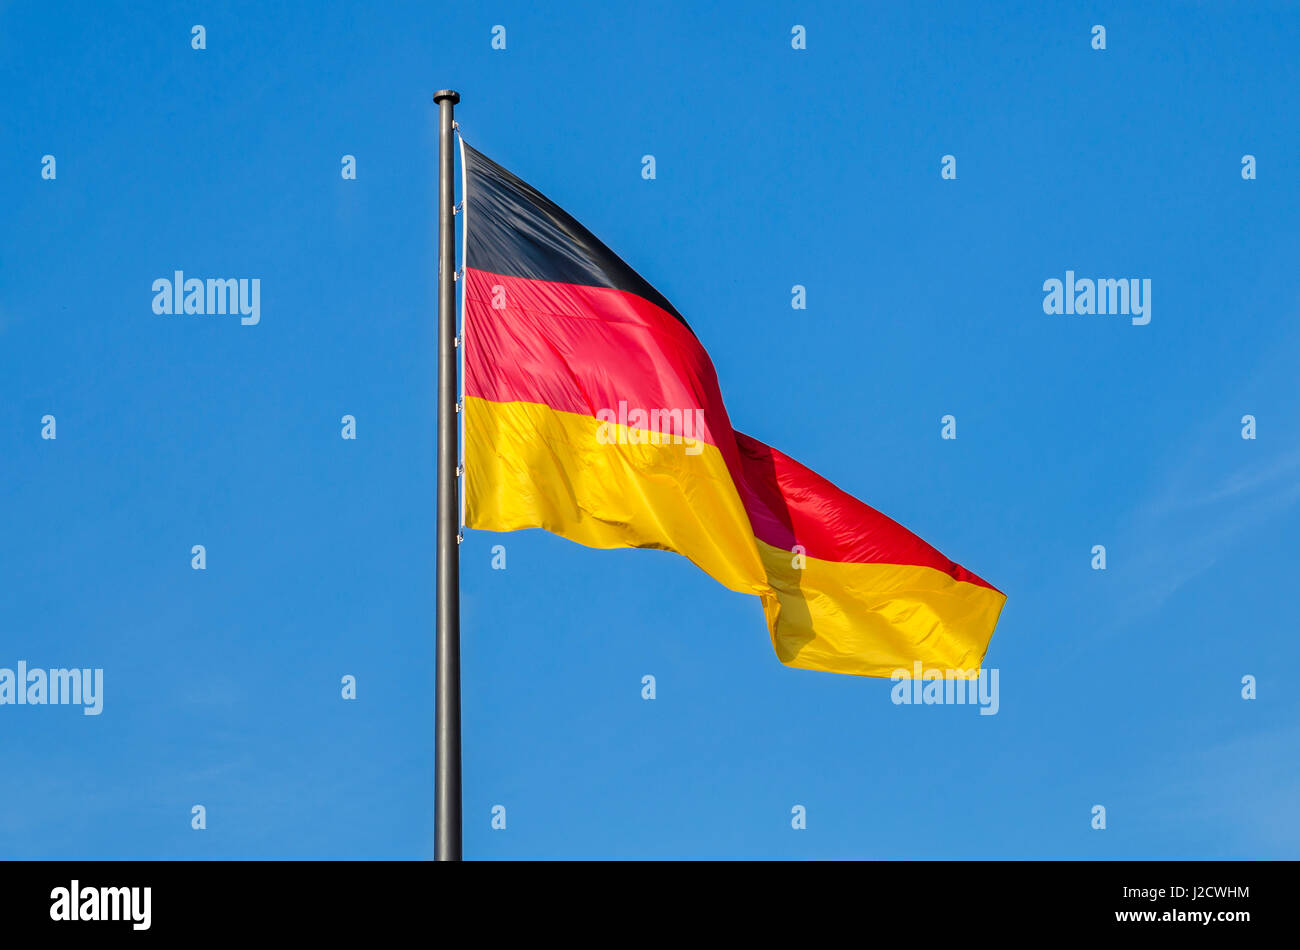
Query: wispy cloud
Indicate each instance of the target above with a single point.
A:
(1273, 477)
(1241, 792)
(1189, 527)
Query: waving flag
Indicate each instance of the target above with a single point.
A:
(592, 411)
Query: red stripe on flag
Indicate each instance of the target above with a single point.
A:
(805, 509)
(582, 349)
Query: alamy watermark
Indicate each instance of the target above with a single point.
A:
(936, 687)
(77, 902)
(58, 687)
(636, 426)
(1126, 296)
(216, 295)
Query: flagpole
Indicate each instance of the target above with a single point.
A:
(447, 818)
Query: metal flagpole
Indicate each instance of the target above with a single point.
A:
(447, 820)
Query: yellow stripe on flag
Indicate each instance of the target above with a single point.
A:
(874, 619)
(531, 466)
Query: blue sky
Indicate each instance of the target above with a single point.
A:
(775, 167)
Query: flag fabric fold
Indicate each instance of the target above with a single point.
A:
(593, 411)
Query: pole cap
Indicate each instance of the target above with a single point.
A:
(451, 94)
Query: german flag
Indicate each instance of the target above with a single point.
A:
(592, 411)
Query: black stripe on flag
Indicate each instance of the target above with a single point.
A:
(516, 231)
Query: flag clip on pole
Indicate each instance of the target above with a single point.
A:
(447, 804)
